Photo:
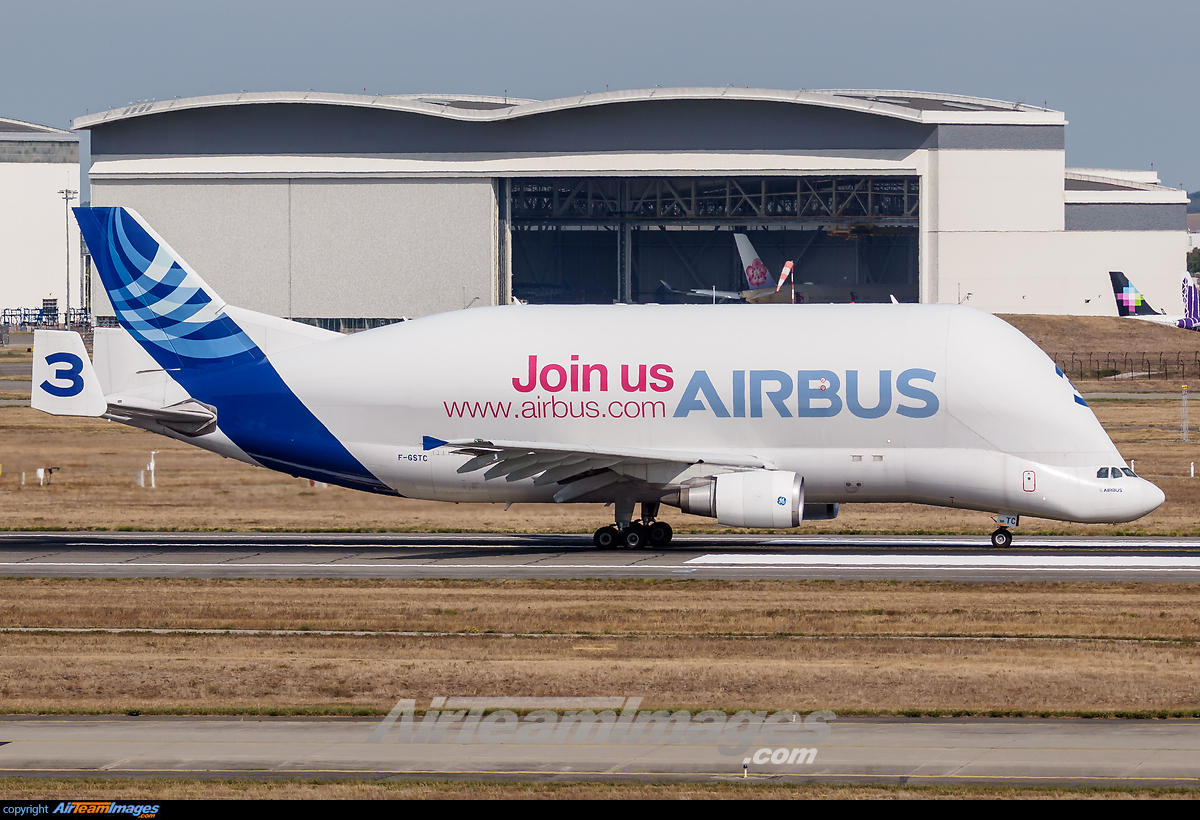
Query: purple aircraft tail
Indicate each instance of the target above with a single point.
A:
(1191, 304)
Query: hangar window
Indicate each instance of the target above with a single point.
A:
(654, 239)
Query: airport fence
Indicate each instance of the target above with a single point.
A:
(1178, 366)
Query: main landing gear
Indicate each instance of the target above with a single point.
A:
(632, 534)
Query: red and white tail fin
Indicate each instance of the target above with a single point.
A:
(787, 271)
(757, 275)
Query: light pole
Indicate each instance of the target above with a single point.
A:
(68, 195)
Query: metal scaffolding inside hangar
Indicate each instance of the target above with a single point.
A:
(649, 239)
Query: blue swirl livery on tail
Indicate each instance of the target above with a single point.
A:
(163, 304)
(185, 327)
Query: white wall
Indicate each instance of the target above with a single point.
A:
(34, 234)
(326, 248)
(999, 191)
(1060, 272)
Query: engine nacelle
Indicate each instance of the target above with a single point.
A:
(769, 499)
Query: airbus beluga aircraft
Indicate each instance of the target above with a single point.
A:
(758, 416)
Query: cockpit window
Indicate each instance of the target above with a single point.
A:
(1128, 472)
(1116, 472)
(1102, 472)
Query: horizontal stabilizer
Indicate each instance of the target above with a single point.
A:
(188, 417)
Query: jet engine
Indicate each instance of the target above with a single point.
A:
(762, 498)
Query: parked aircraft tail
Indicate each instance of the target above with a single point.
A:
(1129, 301)
(1131, 304)
(757, 275)
(1191, 304)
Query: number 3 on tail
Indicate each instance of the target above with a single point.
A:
(71, 373)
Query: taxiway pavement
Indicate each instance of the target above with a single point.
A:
(418, 555)
(885, 750)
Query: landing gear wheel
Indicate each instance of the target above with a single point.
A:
(660, 534)
(635, 536)
(1002, 539)
(605, 538)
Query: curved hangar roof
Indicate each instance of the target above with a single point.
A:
(663, 119)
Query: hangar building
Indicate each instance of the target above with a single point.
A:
(344, 208)
(37, 163)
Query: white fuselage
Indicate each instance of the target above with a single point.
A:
(933, 404)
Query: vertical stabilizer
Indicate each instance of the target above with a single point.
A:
(1129, 301)
(757, 275)
(158, 298)
(1191, 304)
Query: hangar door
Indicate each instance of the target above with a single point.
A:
(597, 240)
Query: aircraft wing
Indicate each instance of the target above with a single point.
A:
(718, 294)
(581, 470)
(711, 293)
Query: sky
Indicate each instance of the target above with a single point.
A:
(1124, 73)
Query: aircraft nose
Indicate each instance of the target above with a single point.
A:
(1152, 497)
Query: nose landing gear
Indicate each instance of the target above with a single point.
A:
(1002, 538)
(634, 534)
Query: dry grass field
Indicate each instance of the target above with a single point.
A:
(1064, 334)
(850, 647)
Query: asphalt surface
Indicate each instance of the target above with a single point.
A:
(870, 750)
(419, 555)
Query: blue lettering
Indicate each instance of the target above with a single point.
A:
(71, 373)
(826, 389)
(700, 383)
(885, 395)
(757, 377)
(739, 394)
(906, 388)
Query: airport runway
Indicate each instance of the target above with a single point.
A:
(882, 750)
(250, 555)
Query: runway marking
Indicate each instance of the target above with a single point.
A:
(1031, 542)
(405, 564)
(1114, 563)
(731, 561)
(617, 774)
